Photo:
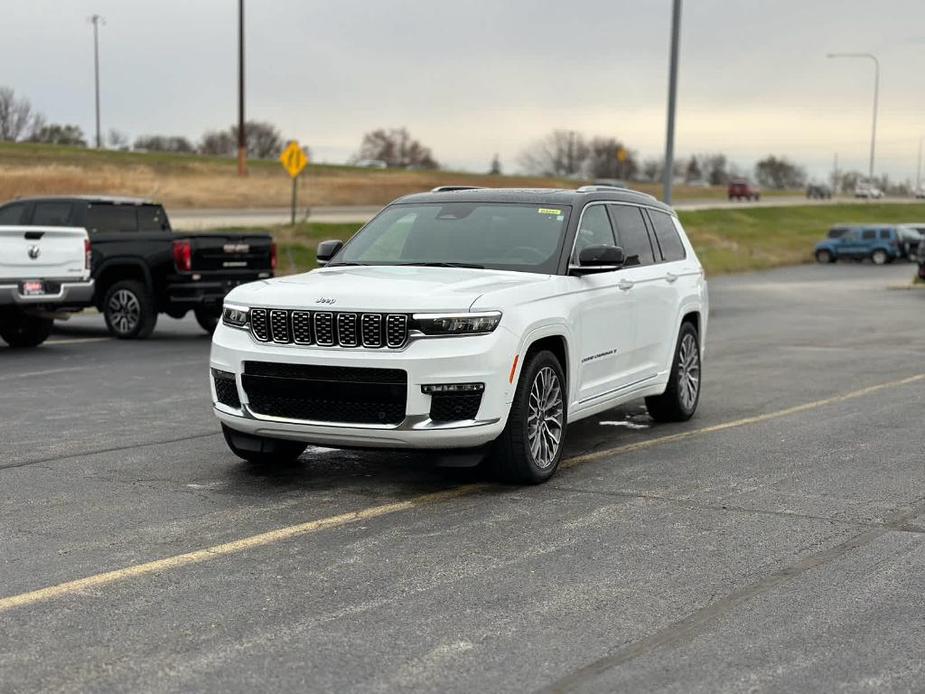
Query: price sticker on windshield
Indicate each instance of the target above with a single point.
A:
(546, 210)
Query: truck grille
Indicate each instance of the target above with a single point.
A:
(326, 393)
(329, 329)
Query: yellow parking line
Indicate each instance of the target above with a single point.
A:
(289, 532)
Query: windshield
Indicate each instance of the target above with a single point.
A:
(499, 236)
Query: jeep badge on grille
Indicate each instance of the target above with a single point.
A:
(324, 300)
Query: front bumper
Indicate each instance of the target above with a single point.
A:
(70, 293)
(479, 358)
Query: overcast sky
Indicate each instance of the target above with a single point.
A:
(482, 76)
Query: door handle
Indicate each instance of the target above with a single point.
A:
(671, 277)
(626, 285)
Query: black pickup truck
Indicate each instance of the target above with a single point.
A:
(142, 268)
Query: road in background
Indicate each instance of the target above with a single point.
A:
(774, 542)
(192, 219)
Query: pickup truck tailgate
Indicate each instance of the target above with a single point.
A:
(42, 252)
(230, 252)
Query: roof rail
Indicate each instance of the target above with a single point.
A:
(598, 187)
(446, 189)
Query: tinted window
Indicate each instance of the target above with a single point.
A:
(152, 218)
(884, 233)
(869, 234)
(837, 232)
(51, 214)
(632, 235)
(667, 236)
(111, 218)
(594, 230)
(12, 214)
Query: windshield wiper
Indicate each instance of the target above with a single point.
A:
(443, 264)
(349, 262)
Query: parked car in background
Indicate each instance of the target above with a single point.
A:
(742, 189)
(142, 268)
(881, 244)
(44, 273)
(910, 239)
(919, 192)
(819, 191)
(867, 190)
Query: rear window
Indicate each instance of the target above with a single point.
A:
(667, 236)
(869, 234)
(111, 218)
(12, 214)
(884, 233)
(51, 214)
(152, 218)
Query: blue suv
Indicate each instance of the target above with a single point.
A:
(882, 244)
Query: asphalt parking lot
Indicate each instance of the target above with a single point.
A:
(776, 542)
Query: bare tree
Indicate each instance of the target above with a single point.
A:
(652, 169)
(16, 117)
(495, 169)
(779, 172)
(264, 140)
(714, 167)
(561, 153)
(219, 143)
(56, 134)
(164, 143)
(603, 161)
(117, 139)
(396, 148)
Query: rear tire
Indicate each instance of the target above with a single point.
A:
(261, 450)
(679, 401)
(208, 318)
(129, 310)
(530, 447)
(19, 330)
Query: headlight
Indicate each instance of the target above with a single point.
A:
(235, 316)
(456, 323)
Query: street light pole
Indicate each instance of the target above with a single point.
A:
(95, 21)
(242, 135)
(668, 174)
(873, 132)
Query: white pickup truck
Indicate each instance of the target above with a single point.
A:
(44, 274)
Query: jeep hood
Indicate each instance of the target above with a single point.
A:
(381, 288)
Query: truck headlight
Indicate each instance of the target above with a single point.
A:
(456, 323)
(235, 316)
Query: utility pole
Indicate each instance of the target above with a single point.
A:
(668, 176)
(242, 135)
(835, 175)
(918, 170)
(873, 132)
(95, 21)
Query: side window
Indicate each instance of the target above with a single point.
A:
(11, 215)
(885, 234)
(667, 236)
(869, 234)
(51, 214)
(632, 235)
(593, 230)
(107, 217)
(152, 218)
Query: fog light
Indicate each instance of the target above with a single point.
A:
(432, 389)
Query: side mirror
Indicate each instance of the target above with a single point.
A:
(327, 250)
(603, 258)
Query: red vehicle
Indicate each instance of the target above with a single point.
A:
(741, 189)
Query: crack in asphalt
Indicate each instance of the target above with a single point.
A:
(701, 620)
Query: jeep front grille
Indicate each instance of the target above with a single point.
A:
(330, 329)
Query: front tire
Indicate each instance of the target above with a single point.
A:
(530, 447)
(129, 310)
(261, 450)
(20, 330)
(879, 257)
(825, 257)
(679, 401)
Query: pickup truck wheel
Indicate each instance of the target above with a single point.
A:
(261, 450)
(879, 257)
(129, 310)
(679, 401)
(530, 447)
(25, 331)
(208, 318)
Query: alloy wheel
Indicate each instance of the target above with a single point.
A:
(124, 311)
(688, 372)
(545, 417)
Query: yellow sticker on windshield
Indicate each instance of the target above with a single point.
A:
(546, 210)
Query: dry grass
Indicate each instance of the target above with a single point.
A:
(189, 181)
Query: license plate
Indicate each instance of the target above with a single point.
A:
(32, 288)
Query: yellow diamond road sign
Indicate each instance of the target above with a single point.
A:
(293, 159)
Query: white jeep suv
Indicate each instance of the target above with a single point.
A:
(466, 317)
